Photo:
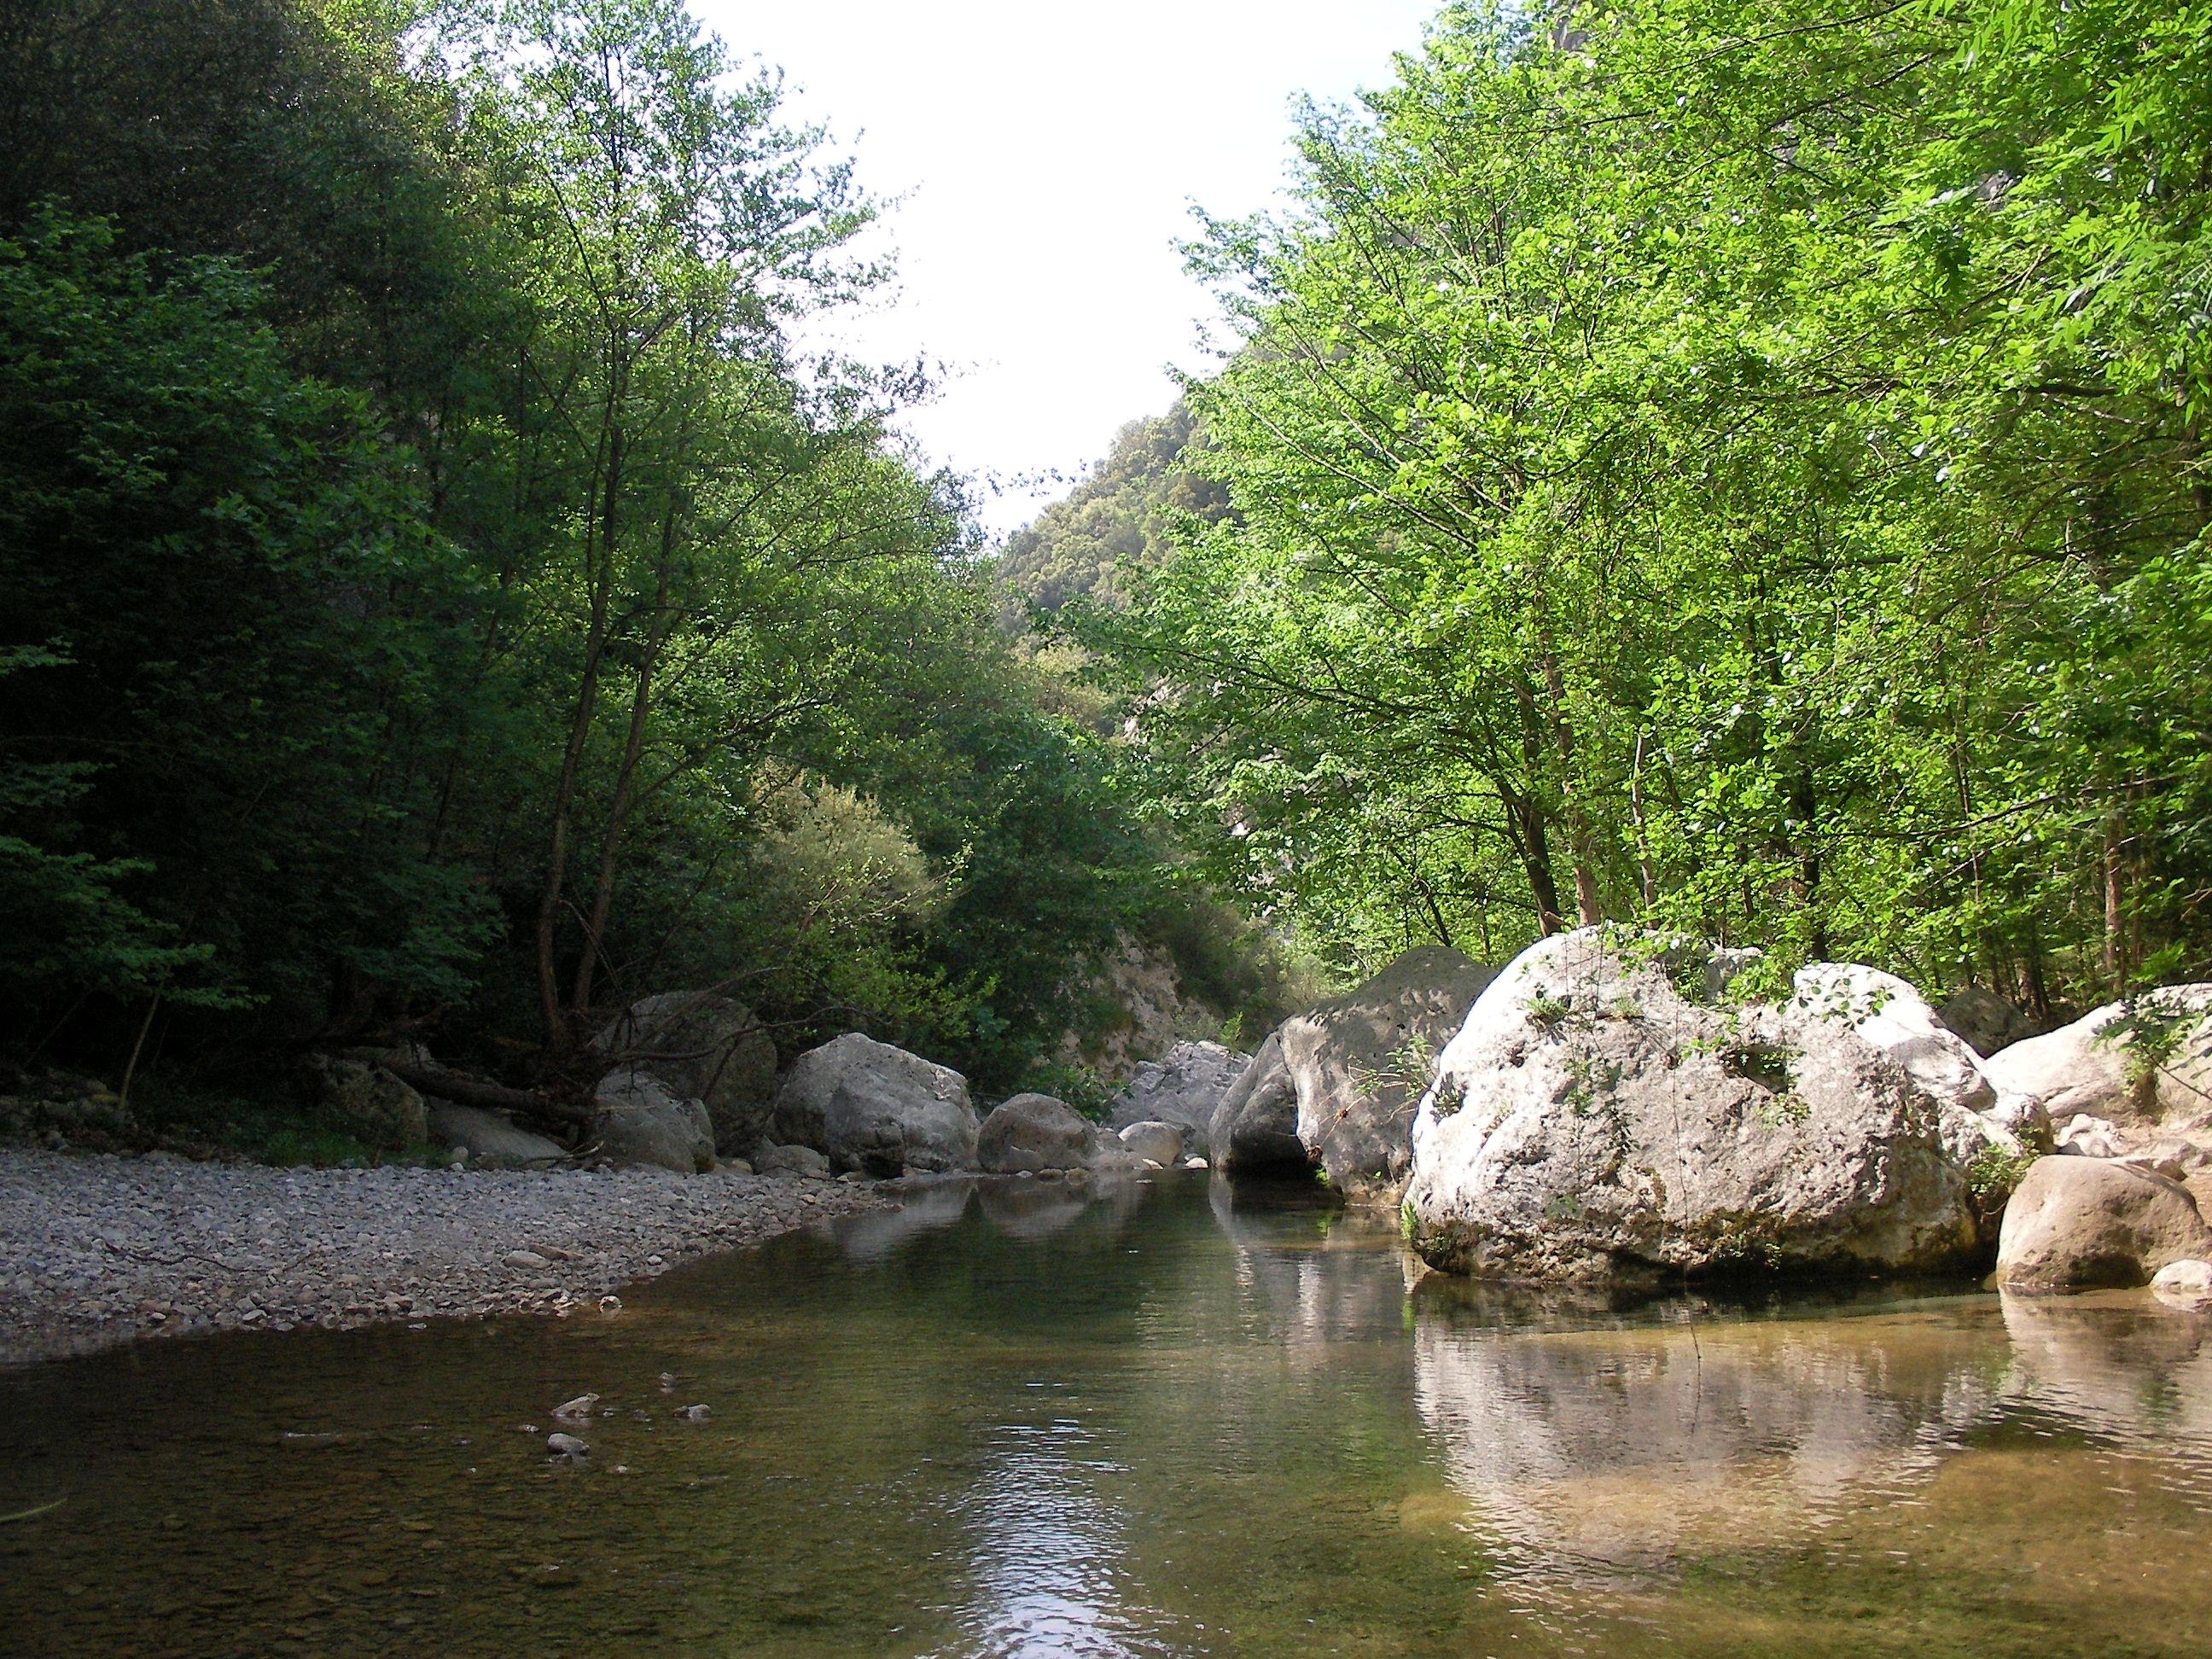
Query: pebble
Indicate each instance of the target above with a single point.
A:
(692, 1413)
(565, 1445)
(96, 1249)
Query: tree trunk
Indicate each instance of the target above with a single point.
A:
(600, 553)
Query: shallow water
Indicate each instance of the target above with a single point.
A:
(1005, 1421)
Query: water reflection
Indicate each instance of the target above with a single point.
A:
(1046, 1550)
(1627, 1448)
(1148, 1417)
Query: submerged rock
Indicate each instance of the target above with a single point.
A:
(866, 1105)
(701, 1047)
(1035, 1133)
(640, 1122)
(2079, 1222)
(1606, 1111)
(2184, 1284)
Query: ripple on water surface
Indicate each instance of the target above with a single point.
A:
(1015, 1419)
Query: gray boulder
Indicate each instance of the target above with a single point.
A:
(1256, 1128)
(868, 1106)
(1985, 1020)
(1360, 1062)
(1608, 1112)
(640, 1121)
(771, 1159)
(489, 1140)
(1185, 1088)
(1160, 1142)
(1035, 1133)
(2077, 1223)
(375, 1105)
(2088, 1137)
(1354, 1067)
(705, 1047)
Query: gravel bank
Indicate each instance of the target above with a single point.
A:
(96, 1250)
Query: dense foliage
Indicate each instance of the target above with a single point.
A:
(1736, 466)
(442, 598)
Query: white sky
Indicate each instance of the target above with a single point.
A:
(1048, 155)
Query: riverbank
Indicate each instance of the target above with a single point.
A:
(96, 1250)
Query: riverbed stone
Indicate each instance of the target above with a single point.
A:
(1034, 1133)
(867, 1105)
(489, 1140)
(639, 1120)
(702, 1046)
(1183, 1087)
(2078, 1222)
(1161, 1142)
(1607, 1111)
(2184, 1284)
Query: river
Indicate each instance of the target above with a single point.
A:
(1169, 1420)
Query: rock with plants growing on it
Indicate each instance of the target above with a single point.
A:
(1611, 1110)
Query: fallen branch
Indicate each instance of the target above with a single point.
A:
(475, 1091)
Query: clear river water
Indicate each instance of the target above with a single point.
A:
(1163, 1420)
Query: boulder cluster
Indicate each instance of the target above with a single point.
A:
(1620, 1107)
(1610, 1107)
(692, 1081)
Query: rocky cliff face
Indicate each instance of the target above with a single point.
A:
(1140, 983)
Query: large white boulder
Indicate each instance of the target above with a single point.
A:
(702, 1046)
(489, 1140)
(1184, 1086)
(1608, 1110)
(1157, 1142)
(2145, 1061)
(868, 1106)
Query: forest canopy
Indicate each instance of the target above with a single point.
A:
(1735, 468)
(442, 597)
